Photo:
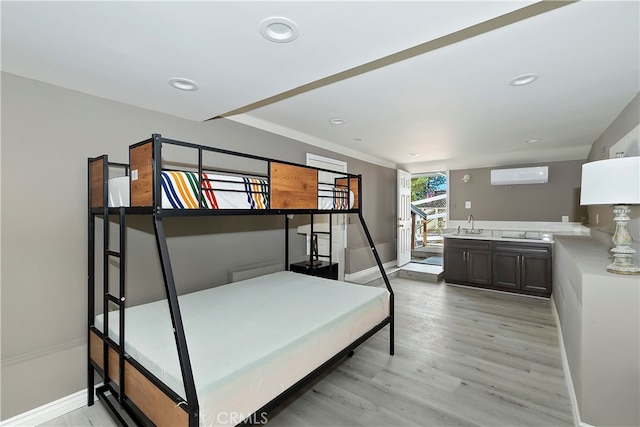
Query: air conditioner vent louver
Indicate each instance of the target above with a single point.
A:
(532, 175)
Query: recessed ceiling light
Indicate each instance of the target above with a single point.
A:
(523, 79)
(184, 84)
(413, 154)
(279, 30)
(533, 140)
(337, 121)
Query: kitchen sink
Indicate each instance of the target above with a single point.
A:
(469, 231)
(523, 237)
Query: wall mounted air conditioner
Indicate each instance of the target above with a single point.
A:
(533, 175)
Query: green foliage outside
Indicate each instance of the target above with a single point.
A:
(427, 186)
(419, 188)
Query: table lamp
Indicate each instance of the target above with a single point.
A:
(615, 182)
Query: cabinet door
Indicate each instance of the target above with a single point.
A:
(536, 273)
(506, 270)
(479, 267)
(454, 264)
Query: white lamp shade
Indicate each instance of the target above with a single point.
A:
(611, 182)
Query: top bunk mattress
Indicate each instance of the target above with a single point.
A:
(249, 341)
(180, 191)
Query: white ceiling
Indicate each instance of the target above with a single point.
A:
(447, 98)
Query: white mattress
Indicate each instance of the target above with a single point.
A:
(251, 340)
(118, 191)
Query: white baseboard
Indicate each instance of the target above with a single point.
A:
(567, 372)
(49, 411)
(358, 276)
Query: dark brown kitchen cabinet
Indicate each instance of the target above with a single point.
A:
(522, 267)
(479, 267)
(502, 265)
(507, 266)
(468, 261)
(454, 263)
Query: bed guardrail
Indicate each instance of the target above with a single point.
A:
(290, 186)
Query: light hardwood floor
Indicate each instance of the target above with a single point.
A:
(463, 357)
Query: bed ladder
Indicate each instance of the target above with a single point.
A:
(117, 300)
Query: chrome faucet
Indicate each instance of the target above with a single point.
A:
(470, 219)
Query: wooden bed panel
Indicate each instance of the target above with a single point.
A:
(95, 348)
(114, 366)
(156, 405)
(96, 177)
(141, 163)
(293, 187)
(353, 187)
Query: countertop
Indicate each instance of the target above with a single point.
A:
(504, 235)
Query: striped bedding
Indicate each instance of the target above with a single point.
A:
(180, 191)
(331, 197)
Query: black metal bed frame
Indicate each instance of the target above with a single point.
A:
(113, 395)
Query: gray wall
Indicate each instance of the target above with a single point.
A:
(49, 132)
(531, 202)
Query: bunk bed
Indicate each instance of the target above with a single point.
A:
(228, 354)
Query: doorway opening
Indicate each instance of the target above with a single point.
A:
(428, 216)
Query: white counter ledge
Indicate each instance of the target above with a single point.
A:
(513, 230)
(504, 236)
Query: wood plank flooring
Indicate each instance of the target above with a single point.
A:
(464, 357)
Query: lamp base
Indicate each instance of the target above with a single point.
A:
(622, 253)
(623, 261)
(614, 268)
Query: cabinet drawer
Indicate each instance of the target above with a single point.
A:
(468, 243)
(544, 249)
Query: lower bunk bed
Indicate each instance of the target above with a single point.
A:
(251, 343)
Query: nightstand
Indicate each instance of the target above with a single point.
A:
(324, 269)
